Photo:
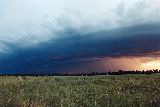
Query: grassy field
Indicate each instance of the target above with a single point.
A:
(82, 91)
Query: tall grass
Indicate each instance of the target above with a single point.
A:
(95, 91)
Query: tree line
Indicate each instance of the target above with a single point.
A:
(120, 72)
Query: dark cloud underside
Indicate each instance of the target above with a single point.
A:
(76, 49)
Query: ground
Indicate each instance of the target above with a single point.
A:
(81, 91)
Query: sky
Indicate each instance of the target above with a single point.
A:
(48, 36)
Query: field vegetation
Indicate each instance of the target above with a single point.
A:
(80, 91)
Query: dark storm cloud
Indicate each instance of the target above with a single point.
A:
(70, 50)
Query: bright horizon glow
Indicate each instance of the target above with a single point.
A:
(121, 63)
(131, 63)
(150, 65)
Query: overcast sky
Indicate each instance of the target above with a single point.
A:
(33, 21)
(28, 24)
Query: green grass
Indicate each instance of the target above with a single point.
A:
(82, 91)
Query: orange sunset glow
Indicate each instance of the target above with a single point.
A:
(150, 65)
(130, 63)
(118, 63)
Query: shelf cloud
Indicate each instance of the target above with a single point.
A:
(55, 36)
